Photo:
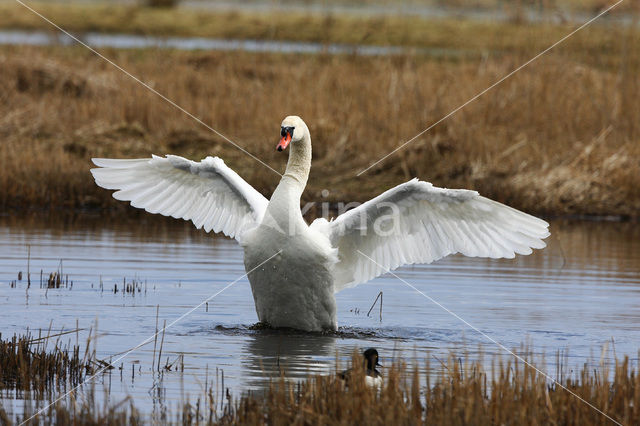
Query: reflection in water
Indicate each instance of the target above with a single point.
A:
(577, 295)
(267, 353)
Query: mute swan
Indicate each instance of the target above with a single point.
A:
(414, 222)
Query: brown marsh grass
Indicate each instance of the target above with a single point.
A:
(515, 393)
(560, 137)
(511, 393)
(30, 368)
(40, 369)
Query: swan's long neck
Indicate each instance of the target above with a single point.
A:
(299, 164)
(284, 206)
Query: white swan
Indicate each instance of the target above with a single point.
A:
(414, 222)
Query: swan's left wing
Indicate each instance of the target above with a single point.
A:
(418, 223)
(208, 193)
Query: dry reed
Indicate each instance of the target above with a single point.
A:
(515, 393)
(28, 367)
(510, 393)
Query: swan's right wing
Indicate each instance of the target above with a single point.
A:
(208, 193)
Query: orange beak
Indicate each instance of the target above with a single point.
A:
(284, 142)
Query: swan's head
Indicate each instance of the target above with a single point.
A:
(293, 130)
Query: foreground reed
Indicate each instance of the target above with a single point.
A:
(27, 367)
(508, 393)
(514, 393)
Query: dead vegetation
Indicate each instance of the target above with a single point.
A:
(507, 393)
(33, 371)
(514, 393)
(560, 137)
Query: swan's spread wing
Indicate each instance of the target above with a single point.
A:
(208, 192)
(418, 223)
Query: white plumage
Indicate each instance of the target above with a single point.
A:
(414, 222)
(420, 223)
(208, 193)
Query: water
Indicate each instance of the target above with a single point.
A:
(578, 295)
(130, 41)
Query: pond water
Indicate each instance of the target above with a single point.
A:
(578, 295)
(131, 41)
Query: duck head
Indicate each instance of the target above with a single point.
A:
(371, 359)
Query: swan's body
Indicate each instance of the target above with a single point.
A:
(295, 269)
(295, 288)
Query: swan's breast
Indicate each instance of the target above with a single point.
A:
(295, 287)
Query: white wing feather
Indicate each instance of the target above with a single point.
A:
(418, 223)
(208, 193)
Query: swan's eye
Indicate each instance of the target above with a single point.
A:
(286, 130)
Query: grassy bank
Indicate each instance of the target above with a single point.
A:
(560, 137)
(412, 31)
